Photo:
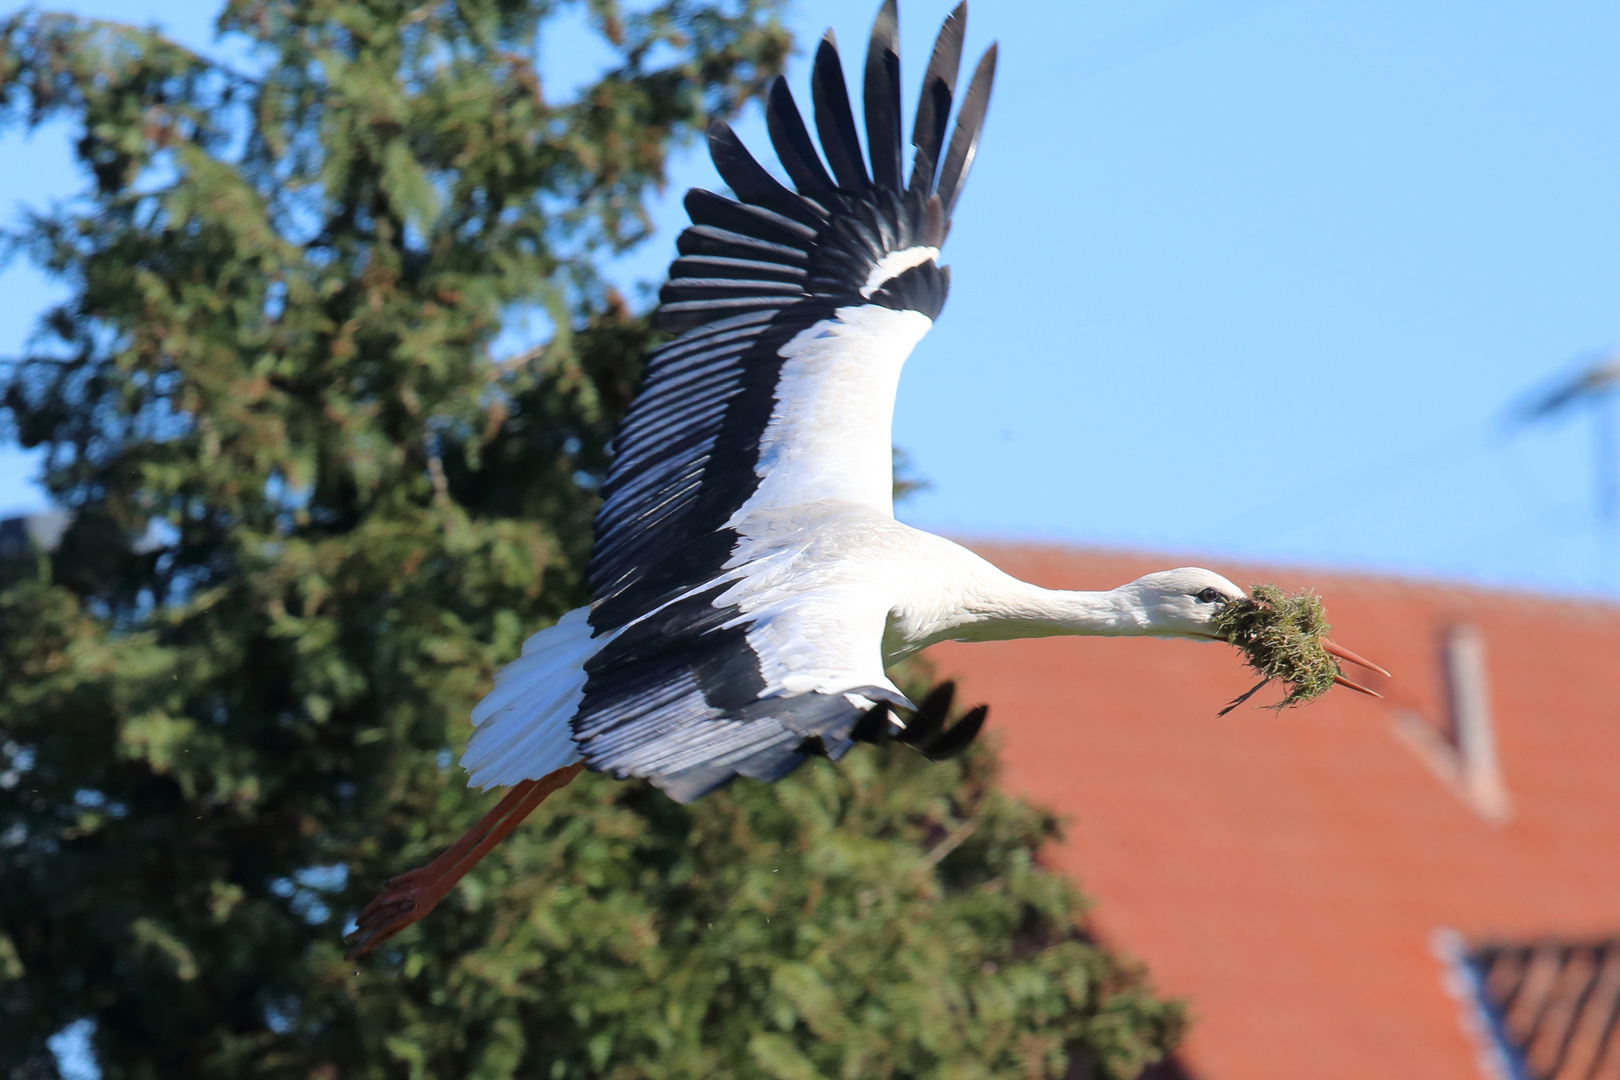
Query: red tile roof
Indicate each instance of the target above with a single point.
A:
(1287, 872)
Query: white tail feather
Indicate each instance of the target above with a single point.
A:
(518, 679)
(521, 728)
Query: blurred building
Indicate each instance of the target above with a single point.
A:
(1424, 886)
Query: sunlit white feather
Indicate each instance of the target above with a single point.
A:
(829, 435)
(521, 727)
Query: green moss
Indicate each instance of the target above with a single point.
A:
(1281, 637)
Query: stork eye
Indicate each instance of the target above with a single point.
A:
(1210, 595)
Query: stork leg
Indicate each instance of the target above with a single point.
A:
(413, 894)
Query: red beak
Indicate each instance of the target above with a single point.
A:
(1340, 680)
(1335, 649)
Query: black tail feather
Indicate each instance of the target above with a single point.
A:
(835, 123)
(965, 139)
(934, 104)
(883, 136)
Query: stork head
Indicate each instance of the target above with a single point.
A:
(1189, 602)
(1182, 602)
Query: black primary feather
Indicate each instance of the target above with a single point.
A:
(749, 181)
(835, 123)
(791, 140)
(934, 103)
(883, 140)
(965, 139)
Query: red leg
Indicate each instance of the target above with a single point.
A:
(469, 839)
(413, 894)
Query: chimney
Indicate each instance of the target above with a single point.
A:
(1461, 749)
(1471, 732)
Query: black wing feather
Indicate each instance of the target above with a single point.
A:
(749, 181)
(690, 289)
(716, 266)
(965, 139)
(707, 208)
(835, 123)
(794, 149)
(934, 103)
(883, 98)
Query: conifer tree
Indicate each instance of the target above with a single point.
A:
(311, 510)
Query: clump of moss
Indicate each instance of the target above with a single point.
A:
(1281, 637)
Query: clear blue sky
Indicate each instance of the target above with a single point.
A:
(1231, 279)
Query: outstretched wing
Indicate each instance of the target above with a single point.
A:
(795, 310)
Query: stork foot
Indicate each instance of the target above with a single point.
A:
(404, 900)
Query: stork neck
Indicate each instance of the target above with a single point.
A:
(1024, 610)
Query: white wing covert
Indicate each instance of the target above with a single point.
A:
(795, 310)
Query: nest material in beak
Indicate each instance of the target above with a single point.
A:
(1281, 637)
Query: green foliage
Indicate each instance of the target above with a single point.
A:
(884, 917)
(313, 511)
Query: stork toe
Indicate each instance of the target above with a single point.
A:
(407, 898)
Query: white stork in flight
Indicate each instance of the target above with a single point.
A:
(749, 581)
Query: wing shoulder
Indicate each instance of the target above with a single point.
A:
(747, 676)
